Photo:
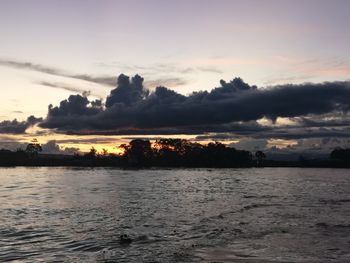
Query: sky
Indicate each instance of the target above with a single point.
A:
(51, 50)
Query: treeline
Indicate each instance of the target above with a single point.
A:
(340, 154)
(166, 153)
(183, 153)
(138, 153)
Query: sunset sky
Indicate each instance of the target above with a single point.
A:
(295, 52)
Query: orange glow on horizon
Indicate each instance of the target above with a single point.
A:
(85, 142)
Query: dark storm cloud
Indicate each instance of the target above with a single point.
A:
(18, 127)
(76, 105)
(128, 92)
(130, 109)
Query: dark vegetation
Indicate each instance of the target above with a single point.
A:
(166, 153)
(182, 153)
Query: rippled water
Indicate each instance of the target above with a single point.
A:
(189, 215)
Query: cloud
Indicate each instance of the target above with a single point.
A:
(128, 92)
(106, 80)
(168, 82)
(250, 144)
(210, 70)
(51, 147)
(18, 127)
(283, 132)
(57, 85)
(297, 69)
(84, 140)
(31, 66)
(131, 109)
(161, 68)
(325, 121)
(160, 74)
(102, 80)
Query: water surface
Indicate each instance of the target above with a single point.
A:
(188, 215)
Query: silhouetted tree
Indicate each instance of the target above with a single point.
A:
(340, 154)
(104, 152)
(173, 152)
(91, 154)
(180, 152)
(138, 152)
(33, 148)
(260, 156)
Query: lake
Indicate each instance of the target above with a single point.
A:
(175, 215)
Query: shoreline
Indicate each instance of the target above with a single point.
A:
(168, 167)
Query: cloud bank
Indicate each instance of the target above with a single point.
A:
(234, 106)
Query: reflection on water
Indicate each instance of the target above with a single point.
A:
(190, 215)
